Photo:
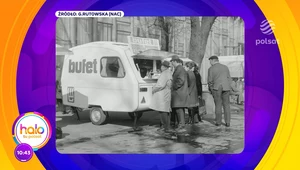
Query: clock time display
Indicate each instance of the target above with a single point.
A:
(23, 152)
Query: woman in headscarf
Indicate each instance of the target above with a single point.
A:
(193, 93)
(161, 99)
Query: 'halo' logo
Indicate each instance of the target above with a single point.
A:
(33, 129)
(267, 27)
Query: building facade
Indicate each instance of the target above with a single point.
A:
(226, 36)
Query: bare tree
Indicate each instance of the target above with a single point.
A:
(165, 26)
(170, 28)
(144, 25)
(199, 36)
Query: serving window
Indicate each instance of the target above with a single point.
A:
(149, 69)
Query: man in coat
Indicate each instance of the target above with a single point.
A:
(180, 91)
(219, 81)
(161, 99)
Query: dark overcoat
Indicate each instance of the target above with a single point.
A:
(180, 91)
(193, 93)
(198, 83)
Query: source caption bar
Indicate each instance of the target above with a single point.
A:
(89, 13)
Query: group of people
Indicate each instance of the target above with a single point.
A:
(182, 89)
(177, 91)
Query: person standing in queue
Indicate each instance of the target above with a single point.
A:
(199, 91)
(180, 91)
(161, 99)
(219, 81)
(174, 116)
(193, 93)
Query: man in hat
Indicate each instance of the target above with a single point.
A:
(219, 81)
(161, 99)
(180, 92)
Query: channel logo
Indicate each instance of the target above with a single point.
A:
(33, 129)
(267, 27)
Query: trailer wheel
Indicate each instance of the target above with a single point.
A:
(139, 115)
(97, 116)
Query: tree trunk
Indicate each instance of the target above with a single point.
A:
(146, 30)
(164, 35)
(167, 42)
(199, 36)
(143, 27)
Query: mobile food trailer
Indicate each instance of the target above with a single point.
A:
(60, 53)
(109, 77)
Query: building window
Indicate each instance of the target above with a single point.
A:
(232, 47)
(63, 32)
(112, 67)
(155, 36)
(241, 48)
(122, 36)
(84, 30)
(216, 41)
(224, 45)
(225, 31)
(138, 32)
(104, 31)
(123, 30)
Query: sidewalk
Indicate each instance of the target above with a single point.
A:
(113, 137)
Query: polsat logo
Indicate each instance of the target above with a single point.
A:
(32, 128)
(267, 27)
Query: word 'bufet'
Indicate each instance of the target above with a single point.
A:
(83, 66)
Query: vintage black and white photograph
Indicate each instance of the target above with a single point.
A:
(150, 85)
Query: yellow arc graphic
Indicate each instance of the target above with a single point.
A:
(284, 148)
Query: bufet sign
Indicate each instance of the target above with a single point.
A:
(138, 44)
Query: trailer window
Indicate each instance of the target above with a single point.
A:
(112, 67)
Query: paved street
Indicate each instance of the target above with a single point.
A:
(114, 136)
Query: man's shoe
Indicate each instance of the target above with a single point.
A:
(227, 124)
(217, 124)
